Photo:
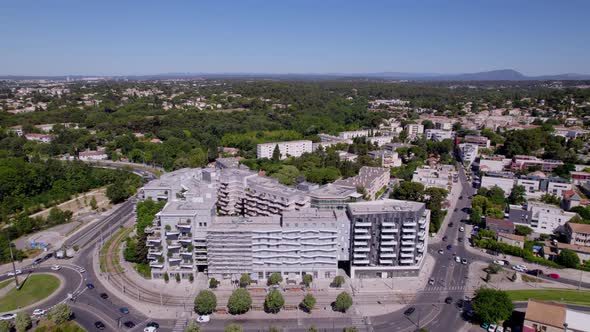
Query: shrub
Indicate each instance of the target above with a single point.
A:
(274, 301)
(307, 303)
(343, 302)
(275, 279)
(205, 302)
(337, 282)
(213, 283)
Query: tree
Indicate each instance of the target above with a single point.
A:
(307, 279)
(493, 268)
(492, 305)
(191, 278)
(475, 216)
(239, 302)
(93, 204)
(274, 279)
(274, 301)
(177, 277)
(117, 193)
(428, 124)
(166, 277)
(213, 283)
(312, 329)
(349, 329)
(60, 313)
(22, 322)
(5, 326)
(481, 202)
(307, 303)
(409, 191)
(343, 302)
(273, 329)
(205, 302)
(245, 280)
(233, 328)
(568, 258)
(192, 327)
(523, 230)
(276, 153)
(337, 282)
(517, 195)
(495, 213)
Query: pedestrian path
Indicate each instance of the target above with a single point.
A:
(359, 323)
(439, 288)
(179, 325)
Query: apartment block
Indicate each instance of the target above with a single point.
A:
(542, 218)
(333, 197)
(440, 176)
(287, 149)
(494, 163)
(353, 134)
(371, 179)
(468, 153)
(579, 178)
(388, 158)
(577, 234)
(389, 238)
(505, 181)
(380, 140)
(438, 135)
(480, 141)
(553, 317)
(524, 162)
(414, 129)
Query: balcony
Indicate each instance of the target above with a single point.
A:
(409, 230)
(408, 236)
(361, 231)
(173, 245)
(186, 239)
(407, 261)
(422, 221)
(387, 255)
(408, 243)
(172, 233)
(361, 243)
(387, 249)
(361, 249)
(184, 226)
(386, 261)
(407, 255)
(421, 235)
(359, 256)
(361, 262)
(155, 252)
(156, 265)
(362, 224)
(388, 243)
(387, 237)
(389, 230)
(154, 239)
(388, 224)
(411, 249)
(410, 224)
(362, 237)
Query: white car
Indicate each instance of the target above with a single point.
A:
(13, 273)
(519, 268)
(81, 270)
(55, 267)
(431, 281)
(203, 319)
(499, 262)
(8, 317)
(499, 329)
(150, 329)
(492, 328)
(441, 252)
(461, 229)
(38, 312)
(457, 259)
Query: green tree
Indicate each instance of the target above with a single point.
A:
(349, 329)
(22, 322)
(475, 216)
(166, 277)
(492, 305)
(192, 327)
(239, 302)
(213, 283)
(276, 153)
(93, 204)
(495, 213)
(343, 302)
(337, 282)
(312, 329)
(410, 191)
(307, 303)
(191, 278)
(273, 329)
(60, 313)
(205, 302)
(523, 230)
(274, 301)
(274, 279)
(307, 279)
(481, 202)
(517, 195)
(568, 258)
(245, 280)
(5, 326)
(177, 277)
(233, 328)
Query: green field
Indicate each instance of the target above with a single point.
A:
(557, 295)
(6, 283)
(36, 288)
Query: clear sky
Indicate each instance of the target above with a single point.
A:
(55, 37)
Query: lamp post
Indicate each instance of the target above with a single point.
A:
(564, 327)
(12, 260)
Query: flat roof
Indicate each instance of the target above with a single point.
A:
(548, 313)
(385, 205)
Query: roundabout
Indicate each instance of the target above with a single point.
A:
(34, 288)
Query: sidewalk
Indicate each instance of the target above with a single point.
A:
(454, 195)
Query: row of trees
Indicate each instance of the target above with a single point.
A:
(58, 315)
(433, 197)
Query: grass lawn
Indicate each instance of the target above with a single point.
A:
(558, 295)
(6, 283)
(36, 288)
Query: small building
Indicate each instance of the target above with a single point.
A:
(553, 317)
(500, 225)
(570, 199)
(578, 234)
(512, 239)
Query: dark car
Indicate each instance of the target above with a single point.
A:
(48, 256)
(124, 310)
(153, 324)
(104, 296)
(460, 303)
(90, 285)
(461, 197)
(536, 272)
(449, 247)
(129, 324)
(38, 260)
(99, 325)
(456, 209)
(451, 224)
(460, 239)
(409, 311)
(449, 300)
(445, 238)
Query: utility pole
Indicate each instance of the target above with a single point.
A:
(12, 260)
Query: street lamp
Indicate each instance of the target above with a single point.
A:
(12, 260)
(564, 327)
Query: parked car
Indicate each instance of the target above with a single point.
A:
(409, 311)
(535, 272)
(457, 259)
(153, 324)
(459, 303)
(451, 224)
(492, 328)
(449, 300)
(38, 312)
(203, 319)
(8, 317)
(485, 326)
(460, 239)
(90, 285)
(553, 275)
(99, 325)
(444, 238)
(520, 268)
(461, 229)
(449, 247)
(441, 252)
(14, 273)
(104, 296)
(499, 262)
(431, 281)
(150, 329)
(55, 267)
(463, 261)
(124, 310)
(81, 270)
(129, 324)
(38, 261)
(499, 329)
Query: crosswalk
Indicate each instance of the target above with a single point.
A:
(432, 288)
(179, 325)
(359, 323)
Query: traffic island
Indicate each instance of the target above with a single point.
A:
(35, 288)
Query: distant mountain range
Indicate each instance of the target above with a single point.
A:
(493, 75)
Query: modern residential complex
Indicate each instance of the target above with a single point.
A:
(287, 149)
(370, 179)
(438, 135)
(542, 218)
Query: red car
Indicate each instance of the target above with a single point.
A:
(553, 275)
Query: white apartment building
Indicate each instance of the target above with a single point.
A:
(435, 177)
(414, 129)
(353, 134)
(371, 179)
(380, 140)
(494, 163)
(389, 238)
(388, 158)
(287, 149)
(557, 188)
(468, 153)
(542, 218)
(438, 135)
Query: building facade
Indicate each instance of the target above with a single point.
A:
(287, 149)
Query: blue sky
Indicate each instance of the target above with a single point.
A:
(282, 36)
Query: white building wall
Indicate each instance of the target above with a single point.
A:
(290, 148)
